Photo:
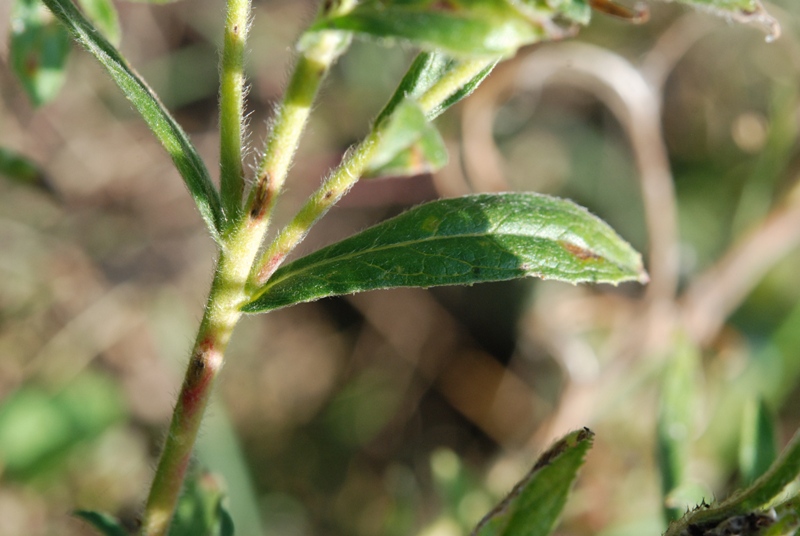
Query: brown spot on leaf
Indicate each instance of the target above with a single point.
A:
(579, 252)
(638, 14)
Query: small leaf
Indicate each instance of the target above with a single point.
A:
(201, 509)
(675, 420)
(425, 155)
(408, 145)
(427, 69)
(757, 448)
(745, 11)
(535, 504)
(487, 237)
(22, 170)
(166, 129)
(105, 523)
(768, 486)
(104, 15)
(39, 50)
(458, 27)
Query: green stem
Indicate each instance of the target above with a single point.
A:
(231, 106)
(228, 294)
(350, 170)
(290, 121)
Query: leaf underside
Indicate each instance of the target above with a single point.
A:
(472, 239)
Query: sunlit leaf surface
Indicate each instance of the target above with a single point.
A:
(489, 237)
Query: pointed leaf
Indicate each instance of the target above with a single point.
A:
(427, 69)
(39, 50)
(757, 448)
(104, 15)
(458, 27)
(535, 504)
(166, 129)
(785, 469)
(408, 145)
(20, 169)
(106, 524)
(488, 237)
(675, 420)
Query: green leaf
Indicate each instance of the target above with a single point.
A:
(746, 11)
(104, 15)
(39, 50)
(765, 489)
(427, 69)
(675, 420)
(106, 524)
(166, 129)
(487, 237)
(22, 170)
(37, 428)
(201, 510)
(535, 504)
(408, 145)
(757, 448)
(458, 27)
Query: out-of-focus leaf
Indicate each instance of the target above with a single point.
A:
(675, 419)
(201, 509)
(458, 27)
(757, 448)
(39, 50)
(749, 501)
(104, 15)
(472, 239)
(166, 129)
(35, 426)
(408, 145)
(535, 504)
(20, 169)
(107, 525)
(746, 11)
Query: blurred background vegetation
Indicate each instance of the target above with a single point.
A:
(407, 411)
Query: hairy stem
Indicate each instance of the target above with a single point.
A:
(350, 170)
(231, 106)
(222, 312)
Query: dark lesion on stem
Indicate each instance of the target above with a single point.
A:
(261, 196)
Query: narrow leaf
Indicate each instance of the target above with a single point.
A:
(487, 237)
(427, 69)
(408, 145)
(745, 11)
(535, 504)
(106, 524)
(458, 27)
(104, 15)
(39, 50)
(20, 169)
(757, 448)
(166, 129)
(785, 469)
(675, 419)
